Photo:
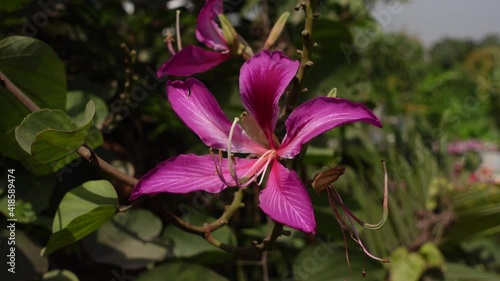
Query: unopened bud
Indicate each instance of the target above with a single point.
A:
(230, 33)
(332, 93)
(323, 179)
(276, 30)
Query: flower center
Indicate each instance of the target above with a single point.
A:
(259, 167)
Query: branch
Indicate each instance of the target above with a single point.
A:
(306, 56)
(251, 252)
(17, 93)
(84, 151)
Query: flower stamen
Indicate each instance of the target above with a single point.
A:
(178, 29)
(218, 167)
(230, 163)
(264, 170)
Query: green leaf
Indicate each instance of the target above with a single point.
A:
(39, 121)
(75, 107)
(186, 245)
(81, 212)
(405, 265)
(129, 240)
(35, 69)
(182, 272)
(50, 135)
(432, 255)
(60, 275)
(94, 139)
(83, 199)
(79, 228)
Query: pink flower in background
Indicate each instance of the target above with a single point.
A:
(193, 59)
(263, 79)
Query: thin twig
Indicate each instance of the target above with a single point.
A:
(17, 93)
(251, 252)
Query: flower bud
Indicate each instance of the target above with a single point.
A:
(230, 34)
(323, 179)
(332, 93)
(276, 30)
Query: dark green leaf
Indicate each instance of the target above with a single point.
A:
(82, 200)
(80, 227)
(40, 121)
(35, 68)
(56, 136)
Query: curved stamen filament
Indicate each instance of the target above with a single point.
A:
(218, 167)
(343, 227)
(360, 243)
(333, 194)
(168, 40)
(230, 163)
(218, 170)
(385, 205)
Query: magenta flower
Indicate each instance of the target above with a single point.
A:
(263, 79)
(193, 59)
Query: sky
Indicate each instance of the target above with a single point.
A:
(431, 20)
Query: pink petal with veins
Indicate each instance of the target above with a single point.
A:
(286, 200)
(187, 173)
(263, 79)
(197, 107)
(318, 116)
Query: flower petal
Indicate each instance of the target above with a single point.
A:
(187, 173)
(320, 115)
(285, 199)
(197, 107)
(263, 79)
(190, 60)
(207, 30)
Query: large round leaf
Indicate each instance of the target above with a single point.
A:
(35, 68)
(82, 200)
(82, 211)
